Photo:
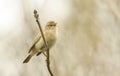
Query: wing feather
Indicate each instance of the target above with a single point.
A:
(37, 38)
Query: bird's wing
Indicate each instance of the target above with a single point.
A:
(37, 38)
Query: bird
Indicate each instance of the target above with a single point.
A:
(38, 45)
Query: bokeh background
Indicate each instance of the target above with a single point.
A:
(88, 37)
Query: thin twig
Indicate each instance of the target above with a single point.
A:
(36, 15)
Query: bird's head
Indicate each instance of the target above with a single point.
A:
(51, 25)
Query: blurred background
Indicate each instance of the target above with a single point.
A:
(88, 37)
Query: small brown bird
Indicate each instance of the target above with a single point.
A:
(38, 47)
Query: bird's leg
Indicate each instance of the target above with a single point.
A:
(40, 53)
(44, 54)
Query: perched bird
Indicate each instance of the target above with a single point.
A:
(38, 47)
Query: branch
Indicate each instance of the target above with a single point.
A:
(36, 15)
(39, 25)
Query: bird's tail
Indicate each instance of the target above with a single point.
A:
(27, 59)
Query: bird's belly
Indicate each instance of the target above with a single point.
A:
(51, 42)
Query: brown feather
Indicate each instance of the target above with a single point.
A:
(27, 59)
(37, 38)
(38, 53)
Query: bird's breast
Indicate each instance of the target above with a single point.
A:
(50, 39)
